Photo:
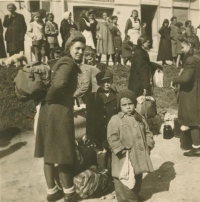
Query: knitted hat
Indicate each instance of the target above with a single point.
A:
(104, 75)
(75, 36)
(126, 93)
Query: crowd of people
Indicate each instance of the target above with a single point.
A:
(111, 120)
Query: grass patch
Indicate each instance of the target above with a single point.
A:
(21, 115)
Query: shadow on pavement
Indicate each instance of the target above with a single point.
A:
(7, 134)
(158, 181)
(12, 149)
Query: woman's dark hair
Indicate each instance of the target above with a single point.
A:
(83, 14)
(12, 5)
(187, 22)
(135, 12)
(165, 21)
(179, 24)
(48, 14)
(142, 39)
(114, 17)
(172, 19)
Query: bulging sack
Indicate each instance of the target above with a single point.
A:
(32, 81)
(158, 78)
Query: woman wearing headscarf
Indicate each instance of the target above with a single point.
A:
(55, 138)
(2, 49)
(16, 29)
(66, 26)
(133, 27)
(165, 47)
(85, 28)
(189, 95)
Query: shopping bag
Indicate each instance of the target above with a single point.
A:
(158, 78)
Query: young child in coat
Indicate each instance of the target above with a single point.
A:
(128, 134)
(127, 49)
(117, 45)
(51, 31)
(100, 107)
(35, 30)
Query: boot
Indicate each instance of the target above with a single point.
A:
(192, 152)
(56, 196)
(72, 197)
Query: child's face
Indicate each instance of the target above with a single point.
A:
(106, 84)
(51, 18)
(127, 106)
(36, 18)
(185, 48)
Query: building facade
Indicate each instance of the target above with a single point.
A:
(153, 12)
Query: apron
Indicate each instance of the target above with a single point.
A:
(134, 32)
(88, 36)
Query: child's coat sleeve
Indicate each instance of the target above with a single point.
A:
(113, 135)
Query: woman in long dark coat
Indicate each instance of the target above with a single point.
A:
(55, 138)
(66, 26)
(189, 96)
(2, 49)
(16, 29)
(140, 80)
(165, 47)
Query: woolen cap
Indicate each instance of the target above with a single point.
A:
(126, 93)
(104, 75)
(75, 36)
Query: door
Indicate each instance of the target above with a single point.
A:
(149, 15)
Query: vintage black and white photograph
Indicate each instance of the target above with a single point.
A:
(100, 100)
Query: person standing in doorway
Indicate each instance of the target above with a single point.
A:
(16, 30)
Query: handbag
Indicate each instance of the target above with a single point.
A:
(32, 81)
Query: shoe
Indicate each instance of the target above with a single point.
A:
(192, 152)
(72, 197)
(56, 196)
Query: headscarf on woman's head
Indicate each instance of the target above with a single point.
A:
(66, 15)
(12, 5)
(165, 21)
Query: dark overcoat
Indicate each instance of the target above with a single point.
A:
(16, 30)
(189, 94)
(165, 47)
(55, 139)
(65, 27)
(100, 109)
(140, 74)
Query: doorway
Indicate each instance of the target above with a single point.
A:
(149, 15)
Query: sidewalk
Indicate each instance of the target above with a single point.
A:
(176, 178)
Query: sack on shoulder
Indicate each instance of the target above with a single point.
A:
(32, 81)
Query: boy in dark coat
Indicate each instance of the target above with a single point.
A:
(100, 107)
